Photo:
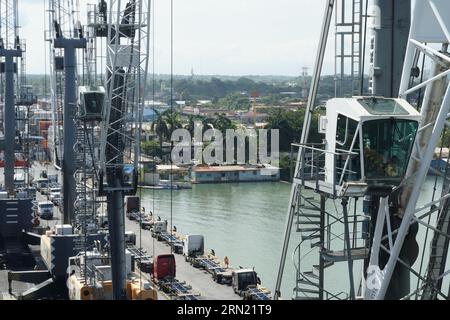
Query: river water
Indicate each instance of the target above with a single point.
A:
(246, 221)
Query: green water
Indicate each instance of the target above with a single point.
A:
(245, 221)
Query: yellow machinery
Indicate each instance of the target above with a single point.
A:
(102, 290)
(90, 279)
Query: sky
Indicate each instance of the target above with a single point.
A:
(233, 37)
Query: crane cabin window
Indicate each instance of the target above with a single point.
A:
(93, 103)
(346, 130)
(387, 147)
(382, 106)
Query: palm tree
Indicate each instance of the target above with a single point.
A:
(192, 120)
(160, 127)
(173, 121)
(207, 123)
(222, 123)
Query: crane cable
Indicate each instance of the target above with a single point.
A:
(171, 129)
(153, 107)
(141, 250)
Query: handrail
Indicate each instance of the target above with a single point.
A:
(345, 152)
(313, 166)
(297, 268)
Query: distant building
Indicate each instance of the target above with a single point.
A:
(190, 111)
(249, 117)
(234, 173)
(147, 133)
(164, 175)
(296, 105)
(203, 102)
(289, 93)
(151, 106)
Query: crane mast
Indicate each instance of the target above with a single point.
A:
(60, 23)
(430, 23)
(125, 79)
(10, 51)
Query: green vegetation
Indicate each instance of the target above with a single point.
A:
(224, 91)
(234, 93)
(235, 101)
(290, 125)
(169, 121)
(151, 148)
(285, 167)
(165, 124)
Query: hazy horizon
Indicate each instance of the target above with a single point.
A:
(221, 75)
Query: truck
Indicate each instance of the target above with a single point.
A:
(130, 238)
(31, 192)
(164, 276)
(41, 184)
(45, 210)
(164, 267)
(193, 246)
(19, 180)
(245, 283)
(141, 259)
(55, 195)
(243, 279)
(158, 228)
(52, 178)
(132, 205)
(146, 223)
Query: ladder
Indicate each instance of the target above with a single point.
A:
(348, 22)
(357, 47)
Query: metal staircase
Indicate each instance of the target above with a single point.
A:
(311, 191)
(309, 223)
(85, 205)
(319, 229)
